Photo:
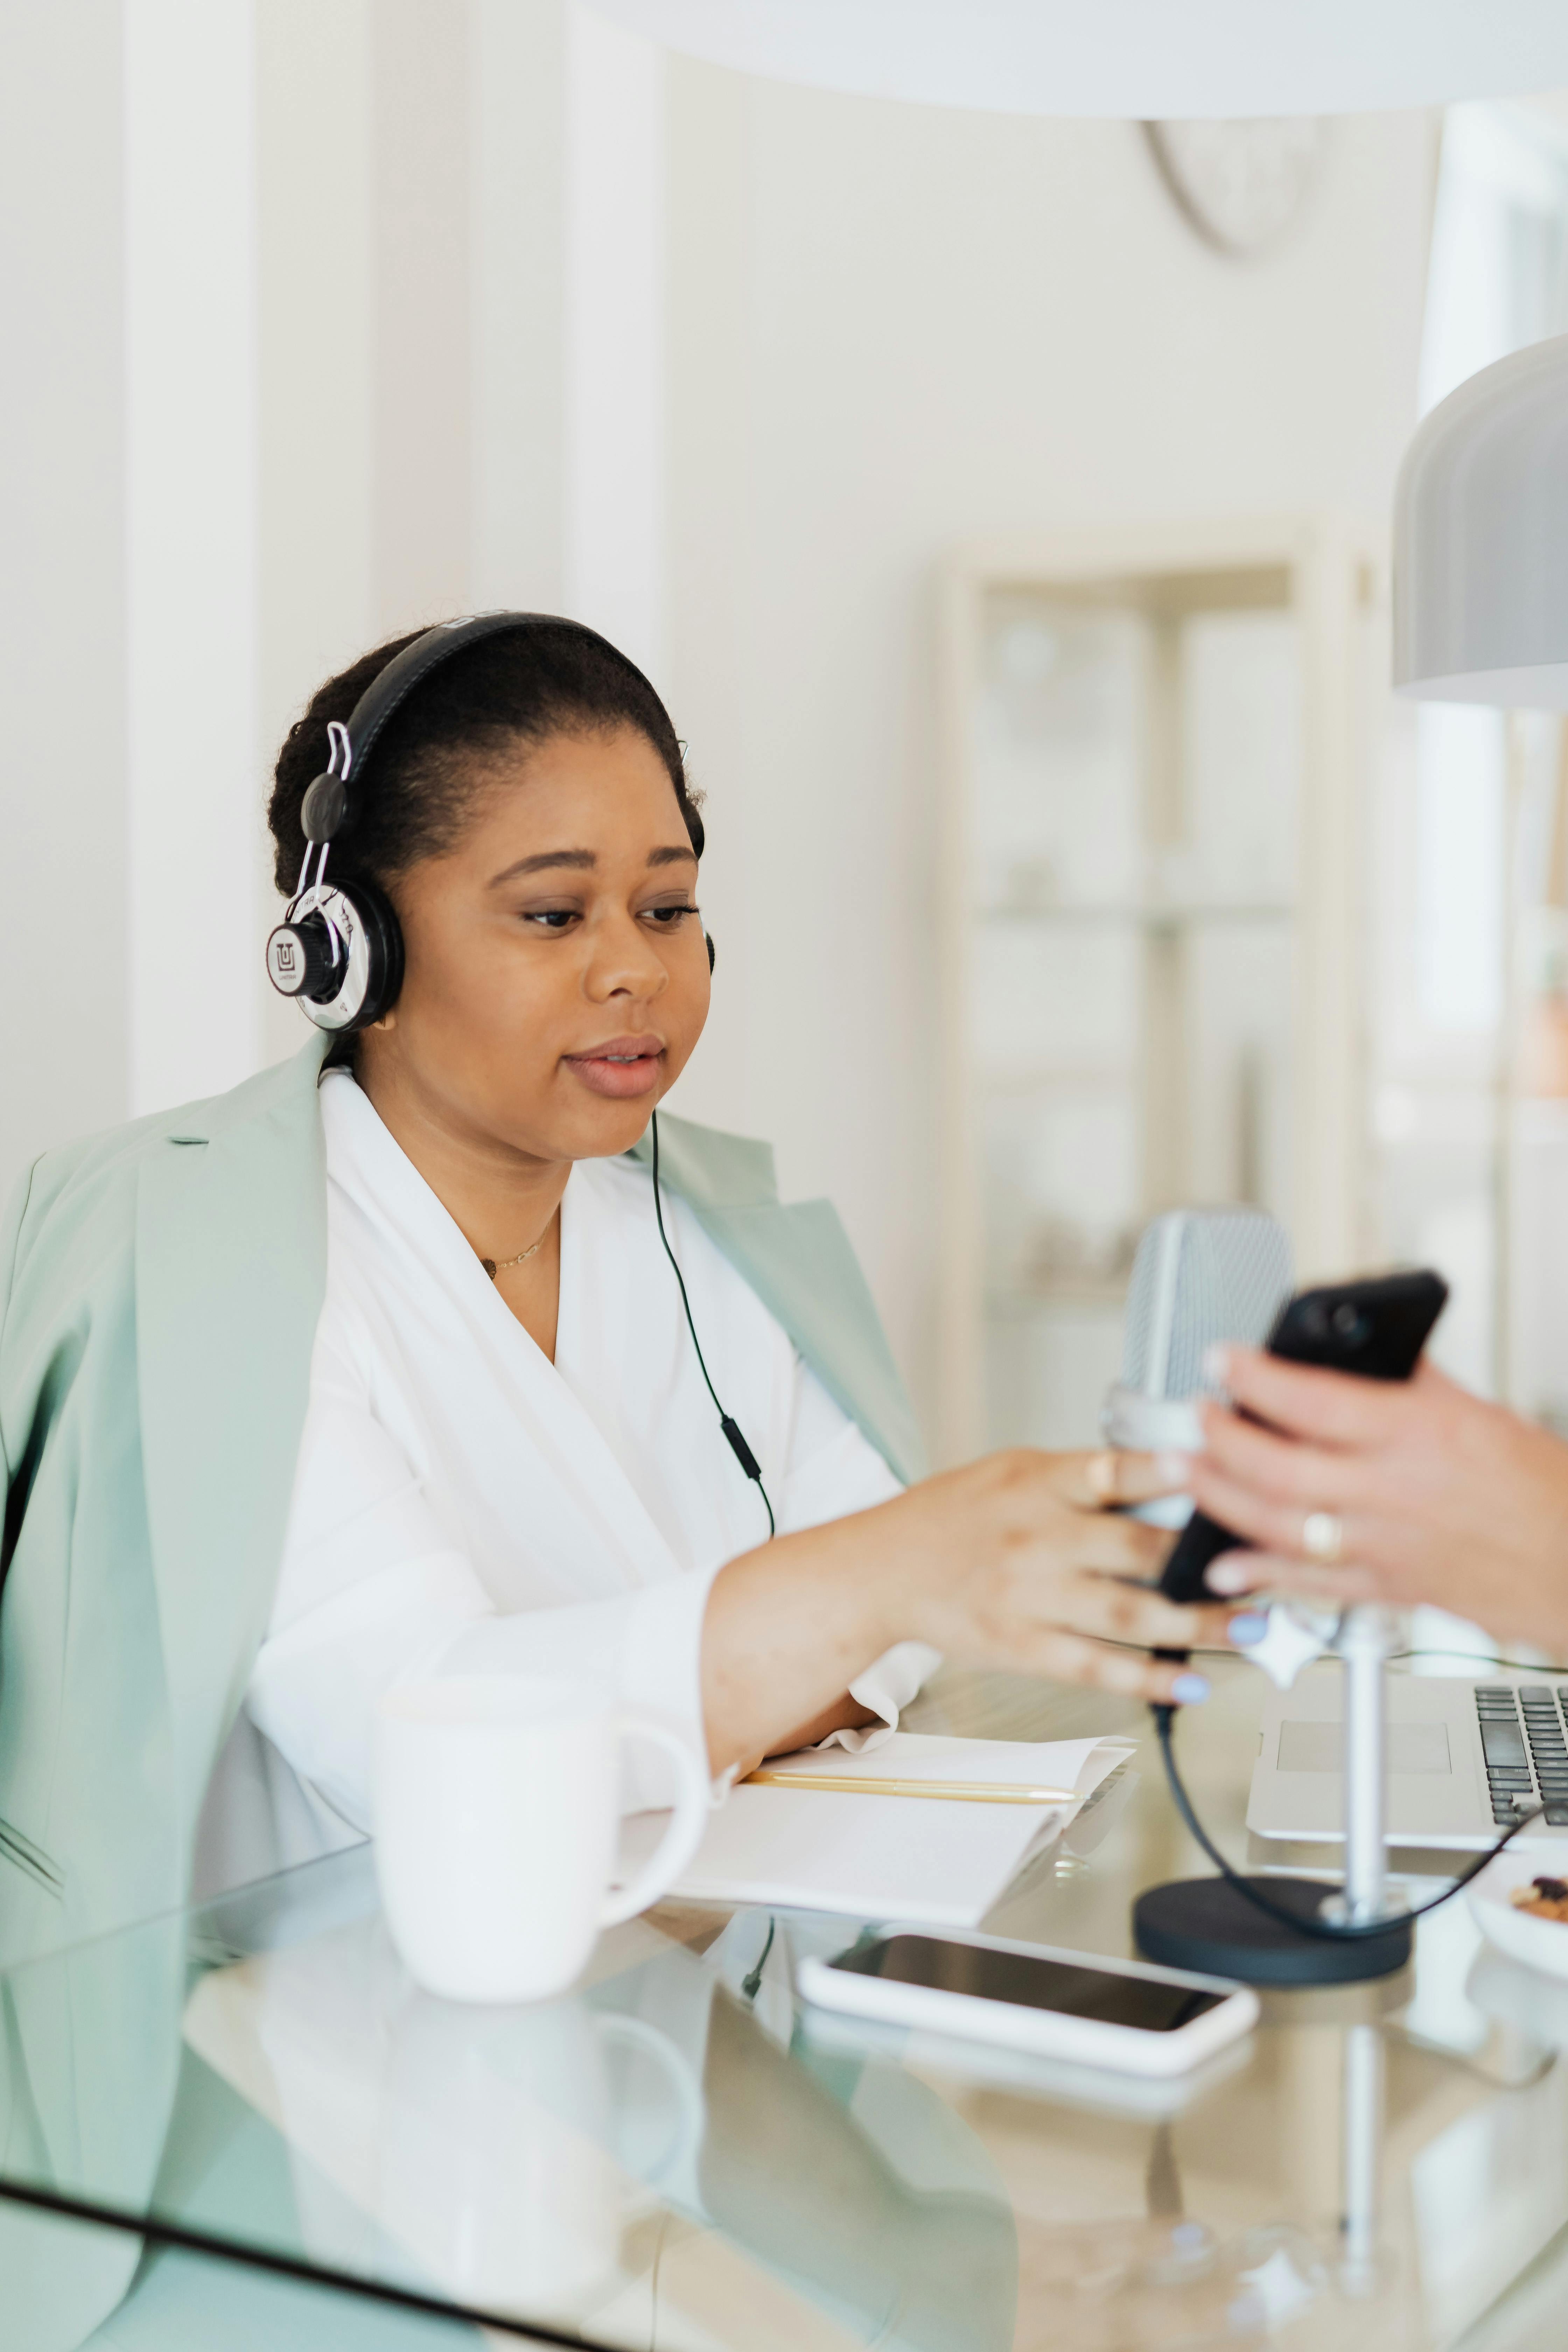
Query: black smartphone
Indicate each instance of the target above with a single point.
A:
(1375, 1326)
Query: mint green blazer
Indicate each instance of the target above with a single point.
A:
(162, 1286)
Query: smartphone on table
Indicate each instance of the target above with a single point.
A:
(1122, 2014)
(1375, 1327)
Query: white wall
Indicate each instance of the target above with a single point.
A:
(517, 64)
(614, 349)
(191, 580)
(889, 330)
(316, 456)
(63, 1029)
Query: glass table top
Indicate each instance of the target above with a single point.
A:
(678, 2155)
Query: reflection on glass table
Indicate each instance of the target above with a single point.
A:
(679, 2155)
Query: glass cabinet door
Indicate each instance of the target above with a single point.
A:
(1132, 754)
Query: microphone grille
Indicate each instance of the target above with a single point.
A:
(1201, 1276)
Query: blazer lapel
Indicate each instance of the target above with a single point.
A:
(800, 1262)
(230, 1275)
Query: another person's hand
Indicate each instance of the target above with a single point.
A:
(1360, 1490)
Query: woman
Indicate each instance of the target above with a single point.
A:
(382, 1370)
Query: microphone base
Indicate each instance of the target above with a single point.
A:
(1206, 1925)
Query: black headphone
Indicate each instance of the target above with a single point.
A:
(339, 948)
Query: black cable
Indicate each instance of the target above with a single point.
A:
(734, 1434)
(751, 1982)
(1276, 1911)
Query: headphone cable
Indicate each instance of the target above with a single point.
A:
(734, 1434)
(1353, 1931)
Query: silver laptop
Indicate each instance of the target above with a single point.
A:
(1463, 1757)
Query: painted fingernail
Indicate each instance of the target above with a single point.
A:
(1174, 1470)
(1247, 1628)
(1189, 1690)
(1222, 1578)
(1216, 1364)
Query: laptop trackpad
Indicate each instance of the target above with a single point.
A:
(1317, 1748)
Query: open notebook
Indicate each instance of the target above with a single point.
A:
(940, 1859)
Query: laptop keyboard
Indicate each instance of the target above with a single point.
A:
(1526, 1752)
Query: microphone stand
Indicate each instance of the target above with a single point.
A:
(1209, 1925)
(1365, 1640)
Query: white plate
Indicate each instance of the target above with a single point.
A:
(1538, 1943)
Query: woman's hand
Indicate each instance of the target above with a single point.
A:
(1438, 1496)
(1018, 1562)
(1015, 1561)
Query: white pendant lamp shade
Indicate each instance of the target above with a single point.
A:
(1129, 57)
(1480, 539)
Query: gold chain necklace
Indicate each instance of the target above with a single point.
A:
(494, 1265)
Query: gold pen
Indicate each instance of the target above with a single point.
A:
(974, 1793)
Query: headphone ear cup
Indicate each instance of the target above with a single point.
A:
(709, 937)
(384, 943)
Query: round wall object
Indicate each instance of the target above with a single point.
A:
(1242, 184)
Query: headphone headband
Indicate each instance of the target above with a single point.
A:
(327, 807)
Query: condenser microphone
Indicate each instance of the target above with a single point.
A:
(1202, 1276)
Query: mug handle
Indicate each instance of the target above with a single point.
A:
(680, 1840)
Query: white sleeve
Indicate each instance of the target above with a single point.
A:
(375, 1593)
(833, 1470)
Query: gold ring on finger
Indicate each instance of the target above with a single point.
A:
(1323, 1537)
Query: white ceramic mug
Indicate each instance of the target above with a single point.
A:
(497, 1819)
